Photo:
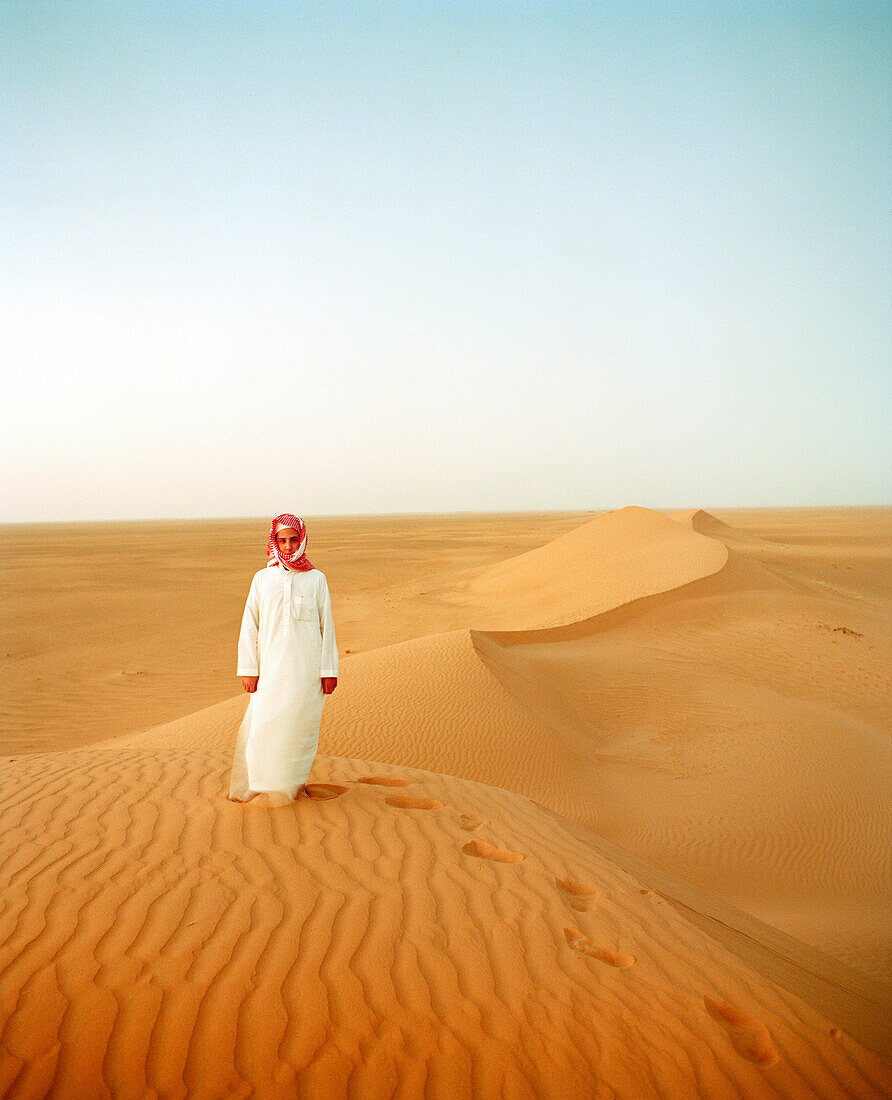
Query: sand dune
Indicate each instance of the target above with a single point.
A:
(730, 729)
(705, 523)
(452, 941)
(603, 810)
(618, 557)
(109, 643)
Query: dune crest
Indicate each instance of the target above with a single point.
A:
(616, 558)
(687, 726)
(705, 523)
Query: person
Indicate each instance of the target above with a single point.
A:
(288, 662)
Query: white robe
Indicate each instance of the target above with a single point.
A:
(288, 640)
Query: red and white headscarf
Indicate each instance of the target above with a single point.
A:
(298, 560)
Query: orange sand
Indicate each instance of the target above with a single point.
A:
(603, 810)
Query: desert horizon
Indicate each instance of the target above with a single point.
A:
(601, 808)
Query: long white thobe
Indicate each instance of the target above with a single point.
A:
(288, 640)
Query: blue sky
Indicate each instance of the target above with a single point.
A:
(339, 258)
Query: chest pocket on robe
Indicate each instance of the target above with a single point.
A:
(304, 608)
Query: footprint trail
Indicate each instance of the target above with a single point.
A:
(325, 790)
(407, 802)
(585, 946)
(482, 850)
(749, 1037)
(576, 894)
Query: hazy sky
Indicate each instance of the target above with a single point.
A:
(360, 257)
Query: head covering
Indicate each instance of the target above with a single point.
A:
(298, 560)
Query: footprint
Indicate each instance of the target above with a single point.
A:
(469, 822)
(584, 946)
(384, 781)
(406, 802)
(325, 790)
(572, 887)
(749, 1037)
(577, 894)
(488, 851)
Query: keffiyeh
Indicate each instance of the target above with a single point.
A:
(298, 560)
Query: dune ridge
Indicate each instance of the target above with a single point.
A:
(705, 523)
(626, 723)
(616, 558)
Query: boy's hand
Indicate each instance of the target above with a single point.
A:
(249, 683)
(329, 683)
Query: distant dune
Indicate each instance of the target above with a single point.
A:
(607, 816)
(707, 524)
(618, 557)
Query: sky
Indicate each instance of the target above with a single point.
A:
(338, 258)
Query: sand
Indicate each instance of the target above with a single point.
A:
(601, 809)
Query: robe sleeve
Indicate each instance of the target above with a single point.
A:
(248, 653)
(326, 625)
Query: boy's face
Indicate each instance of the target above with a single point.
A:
(288, 540)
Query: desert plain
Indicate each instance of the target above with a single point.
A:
(601, 809)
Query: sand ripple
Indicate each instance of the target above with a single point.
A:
(158, 939)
